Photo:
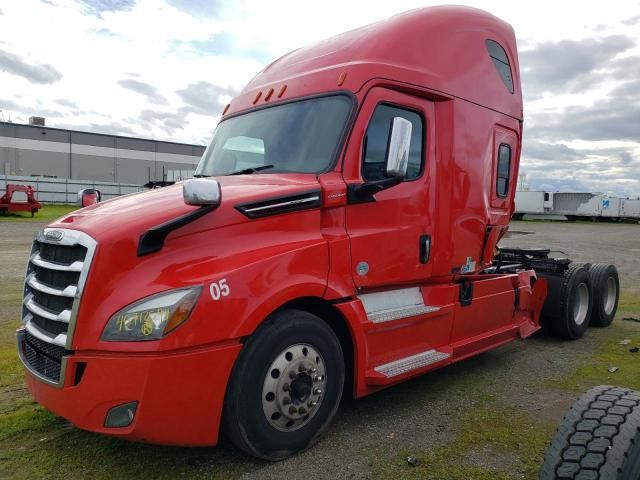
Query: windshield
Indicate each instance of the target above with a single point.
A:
(296, 137)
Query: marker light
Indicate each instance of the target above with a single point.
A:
(153, 317)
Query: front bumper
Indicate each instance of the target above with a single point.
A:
(180, 394)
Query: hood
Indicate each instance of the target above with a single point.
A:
(137, 212)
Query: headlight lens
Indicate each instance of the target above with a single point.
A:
(153, 317)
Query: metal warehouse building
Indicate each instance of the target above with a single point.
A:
(39, 151)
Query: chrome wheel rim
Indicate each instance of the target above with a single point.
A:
(294, 387)
(581, 304)
(612, 293)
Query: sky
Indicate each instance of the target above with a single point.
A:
(164, 69)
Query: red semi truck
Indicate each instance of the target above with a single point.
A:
(340, 237)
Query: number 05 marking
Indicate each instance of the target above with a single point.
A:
(219, 289)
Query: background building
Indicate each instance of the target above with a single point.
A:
(39, 151)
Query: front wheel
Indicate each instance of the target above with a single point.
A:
(285, 386)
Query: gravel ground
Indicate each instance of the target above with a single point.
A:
(585, 242)
(420, 415)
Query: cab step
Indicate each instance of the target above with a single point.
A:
(387, 373)
(395, 304)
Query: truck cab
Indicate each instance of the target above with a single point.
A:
(338, 239)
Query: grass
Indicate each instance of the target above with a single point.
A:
(486, 431)
(46, 213)
(612, 354)
(516, 440)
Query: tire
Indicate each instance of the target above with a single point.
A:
(257, 417)
(598, 438)
(606, 293)
(567, 310)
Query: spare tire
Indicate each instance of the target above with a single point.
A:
(598, 438)
(567, 310)
(606, 292)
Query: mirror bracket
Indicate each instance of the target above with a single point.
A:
(364, 192)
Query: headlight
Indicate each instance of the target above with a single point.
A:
(153, 317)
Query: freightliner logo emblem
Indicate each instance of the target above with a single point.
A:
(54, 235)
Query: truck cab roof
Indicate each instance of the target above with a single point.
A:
(453, 51)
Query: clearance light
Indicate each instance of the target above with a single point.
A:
(153, 317)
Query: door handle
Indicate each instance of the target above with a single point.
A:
(425, 248)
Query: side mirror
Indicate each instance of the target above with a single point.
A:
(88, 196)
(201, 191)
(397, 160)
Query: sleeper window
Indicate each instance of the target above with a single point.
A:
(504, 170)
(377, 140)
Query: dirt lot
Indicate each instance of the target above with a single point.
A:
(489, 417)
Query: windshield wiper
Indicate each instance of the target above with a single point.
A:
(200, 175)
(250, 170)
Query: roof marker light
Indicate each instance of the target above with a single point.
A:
(342, 78)
(257, 97)
(268, 95)
(282, 89)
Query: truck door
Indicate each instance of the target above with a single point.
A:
(391, 233)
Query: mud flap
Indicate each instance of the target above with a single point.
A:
(533, 306)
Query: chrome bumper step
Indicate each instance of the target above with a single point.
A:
(414, 362)
(395, 304)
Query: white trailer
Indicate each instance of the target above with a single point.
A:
(574, 205)
(533, 202)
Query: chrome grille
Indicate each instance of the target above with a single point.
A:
(43, 357)
(58, 267)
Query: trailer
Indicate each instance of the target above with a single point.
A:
(340, 236)
(533, 202)
(574, 206)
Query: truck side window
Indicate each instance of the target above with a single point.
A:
(377, 138)
(504, 170)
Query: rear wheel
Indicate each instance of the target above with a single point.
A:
(598, 438)
(606, 291)
(285, 387)
(567, 310)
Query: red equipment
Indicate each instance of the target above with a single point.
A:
(9, 204)
(347, 236)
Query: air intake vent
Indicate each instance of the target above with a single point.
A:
(276, 205)
(39, 121)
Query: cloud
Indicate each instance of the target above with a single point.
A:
(98, 7)
(205, 98)
(66, 103)
(199, 8)
(9, 105)
(143, 88)
(549, 151)
(613, 117)
(34, 73)
(168, 122)
(569, 65)
(632, 20)
(226, 44)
